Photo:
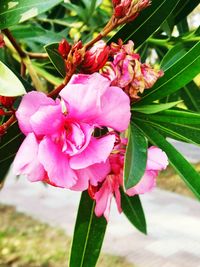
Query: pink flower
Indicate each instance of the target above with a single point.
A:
(95, 58)
(126, 70)
(59, 147)
(157, 161)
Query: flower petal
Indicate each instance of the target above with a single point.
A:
(83, 95)
(146, 184)
(97, 151)
(30, 103)
(56, 164)
(115, 109)
(26, 161)
(47, 120)
(157, 159)
(103, 200)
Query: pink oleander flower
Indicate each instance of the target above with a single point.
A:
(127, 71)
(59, 147)
(95, 58)
(157, 161)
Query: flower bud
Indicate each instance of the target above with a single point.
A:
(2, 112)
(2, 130)
(95, 58)
(92, 191)
(6, 101)
(129, 8)
(121, 8)
(2, 43)
(64, 48)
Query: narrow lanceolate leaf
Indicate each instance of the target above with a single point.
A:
(133, 210)
(191, 96)
(88, 235)
(147, 23)
(55, 57)
(184, 8)
(135, 158)
(180, 73)
(177, 124)
(13, 12)
(10, 85)
(186, 171)
(154, 108)
(9, 145)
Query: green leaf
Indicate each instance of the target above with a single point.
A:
(172, 56)
(135, 158)
(13, 12)
(88, 235)
(133, 210)
(10, 85)
(177, 124)
(191, 96)
(9, 145)
(186, 171)
(180, 73)
(178, 116)
(184, 8)
(147, 23)
(55, 57)
(154, 108)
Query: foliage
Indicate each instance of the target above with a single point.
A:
(169, 109)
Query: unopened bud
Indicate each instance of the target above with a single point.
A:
(95, 58)
(64, 48)
(2, 112)
(6, 101)
(2, 43)
(2, 129)
(92, 191)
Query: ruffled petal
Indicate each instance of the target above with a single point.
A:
(115, 109)
(30, 103)
(103, 200)
(26, 161)
(146, 184)
(157, 159)
(83, 96)
(95, 174)
(56, 164)
(97, 151)
(47, 120)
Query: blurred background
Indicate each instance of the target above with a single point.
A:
(36, 221)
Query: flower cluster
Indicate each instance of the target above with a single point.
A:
(126, 70)
(63, 146)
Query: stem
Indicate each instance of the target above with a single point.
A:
(37, 55)
(23, 69)
(25, 61)
(17, 47)
(57, 90)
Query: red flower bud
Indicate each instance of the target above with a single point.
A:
(95, 58)
(2, 129)
(2, 112)
(6, 101)
(92, 190)
(2, 43)
(64, 48)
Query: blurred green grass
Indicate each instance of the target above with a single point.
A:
(25, 242)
